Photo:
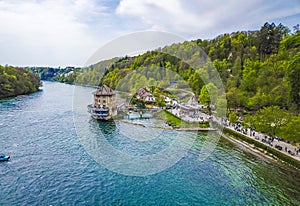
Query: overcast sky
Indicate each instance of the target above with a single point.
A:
(68, 32)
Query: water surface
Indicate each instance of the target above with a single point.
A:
(50, 166)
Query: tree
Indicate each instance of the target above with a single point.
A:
(232, 98)
(294, 76)
(159, 98)
(221, 107)
(232, 117)
(236, 72)
(16, 81)
(195, 83)
(249, 121)
(296, 28)
(270, 119)
(269, 39)
(250, 76)
(291, 131)
(208, 94)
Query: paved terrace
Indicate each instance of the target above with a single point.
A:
(201, 117)
(287, 148)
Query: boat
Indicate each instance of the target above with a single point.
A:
(4, 157)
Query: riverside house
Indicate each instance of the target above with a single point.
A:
(104, 106)
(145, 95)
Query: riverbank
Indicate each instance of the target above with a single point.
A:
(16, 81)
(195, 129)
(240, 139)
(260, 148)
(248, 147)
(40, 125)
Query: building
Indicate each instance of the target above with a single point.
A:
(104, 106)
(170, 102)
(145, 95)
(189, 110)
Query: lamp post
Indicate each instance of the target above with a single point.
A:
(273, 128)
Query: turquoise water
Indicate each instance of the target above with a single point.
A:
(51, 165)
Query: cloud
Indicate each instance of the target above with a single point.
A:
(47, 32)
(67, 32)
(205, 19)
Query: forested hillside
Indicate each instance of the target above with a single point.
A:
(15, 81)
(258, 68)
(260, 71)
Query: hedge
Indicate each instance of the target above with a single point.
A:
(270, 150)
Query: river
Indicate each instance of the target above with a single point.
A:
(55, 160)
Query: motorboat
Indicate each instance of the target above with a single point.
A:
(4, 157)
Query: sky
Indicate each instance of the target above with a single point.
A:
(67, 32)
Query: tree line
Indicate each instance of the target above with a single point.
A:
(260, 71)
(16, 81)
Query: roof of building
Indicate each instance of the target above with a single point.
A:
(143, 92)
(188, 107)
(104, 91)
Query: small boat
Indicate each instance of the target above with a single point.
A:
(4, 157)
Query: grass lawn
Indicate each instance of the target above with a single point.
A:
(174, 121)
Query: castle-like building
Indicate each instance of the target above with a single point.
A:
(104, 106)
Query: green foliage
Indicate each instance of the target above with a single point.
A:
(276, 153)
(275, 122)
(269, 120)
(294, 75)
(233, 117)
(253, 66)
(160, 102)
(291, 42)
(259, 69)
(291, 131)
(248, 121)
(208, 94)
(221, 107)
(269, 39)
(16, 81)
(174, 121)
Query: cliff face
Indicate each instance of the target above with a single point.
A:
(15, 81)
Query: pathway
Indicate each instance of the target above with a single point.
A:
(287, 148)
(262, 138)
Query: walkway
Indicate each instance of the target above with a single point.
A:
(287, 148)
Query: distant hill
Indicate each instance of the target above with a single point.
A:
(50, 73)
(16, 81)
(257, 68)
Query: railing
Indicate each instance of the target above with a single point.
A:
(98, 111)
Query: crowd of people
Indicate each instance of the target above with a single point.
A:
(277, 142)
